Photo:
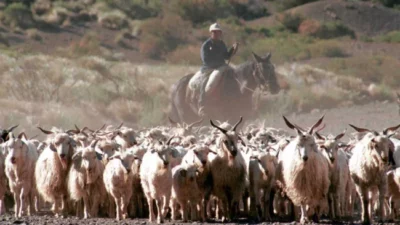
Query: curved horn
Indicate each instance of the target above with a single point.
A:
(339, 136)
(170, 139)
(12, 128)
(45, 131)
(316, 125)
(87, 128)
(320, 137)
(72, 131)
(119, 126)
(321, 128)
(219, 128)
(94, 143)
(358, 129)
(288, 123)
(101, 128)
(237, 124)
(76, 127)
(172, 121)
(195, 123)
(22, 134)
(391, 129)
(10, 136)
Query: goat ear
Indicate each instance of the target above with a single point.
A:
(52, 147)
(183, 172)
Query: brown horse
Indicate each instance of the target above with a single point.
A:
(233, 96)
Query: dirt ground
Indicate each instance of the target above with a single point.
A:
(376, 115)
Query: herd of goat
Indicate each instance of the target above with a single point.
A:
(212, 172)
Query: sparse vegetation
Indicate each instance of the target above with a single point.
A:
(17, 15)
(291, 21)
(162, 35)
(391, 37)
(115, 20)
(34, 34)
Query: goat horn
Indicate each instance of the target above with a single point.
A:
(360, 130)
(195, 123)
(237, 124)
(316, 125)
(12, 128)
(391, 129)
(170, 139)
(219, 128)
(172, 121)
(45, 131)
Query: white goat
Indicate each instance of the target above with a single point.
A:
(156, 179)
(52, 169)
(228, 171)
(85, 179)
(305, 172)
(21, 158)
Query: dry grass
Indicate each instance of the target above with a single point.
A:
(48, 90)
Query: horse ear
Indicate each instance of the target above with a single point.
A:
(256, 57)
(267, 57)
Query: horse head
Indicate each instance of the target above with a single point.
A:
(265, 73)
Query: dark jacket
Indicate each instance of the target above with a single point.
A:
(213, 54)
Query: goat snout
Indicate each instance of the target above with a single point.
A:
(305, 158)
(234, 153)
(332, 159)
(13, 160)
(166, 164)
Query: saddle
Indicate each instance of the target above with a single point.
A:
(213, 79)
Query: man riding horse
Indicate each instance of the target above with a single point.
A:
(213, 54)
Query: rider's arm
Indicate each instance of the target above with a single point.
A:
(228, 53)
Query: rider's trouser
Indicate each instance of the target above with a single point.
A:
(202, 96)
